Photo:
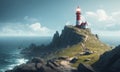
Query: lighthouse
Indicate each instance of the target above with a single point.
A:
(78, 14)
(79, 23)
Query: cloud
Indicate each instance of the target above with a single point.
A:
(37, 27)
(101, 20)
(89, 13)
(103, 15)
(30, 19)
(100, 14)
(34, 29)
(116, 13)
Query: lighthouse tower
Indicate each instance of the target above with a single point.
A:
(79, 23)
(78, 14)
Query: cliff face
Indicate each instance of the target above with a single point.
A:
(68, 37)
(109, 61)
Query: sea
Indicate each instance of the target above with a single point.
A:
(10, 48)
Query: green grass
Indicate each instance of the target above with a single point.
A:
(92, 43)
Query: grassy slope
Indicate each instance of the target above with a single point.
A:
(91, 43)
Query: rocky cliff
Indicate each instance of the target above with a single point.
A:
(74, 50)
(73, 42)
(109, 61)
(68, 37)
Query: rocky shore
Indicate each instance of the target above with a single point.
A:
(55, 65)
(108, 62)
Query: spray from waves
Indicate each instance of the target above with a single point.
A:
(17, 62)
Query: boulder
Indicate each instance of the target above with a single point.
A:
(86, 60)
(87, 52)
(85, 68)
(25, 68)
(63, 58)
(74, 60)
(37, 60)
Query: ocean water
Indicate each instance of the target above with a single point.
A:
(10, 53)
(10, 50)
(111, 40)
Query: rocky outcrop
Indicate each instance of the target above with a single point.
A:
(56, 40)
(109, 61)
(85, 68)
(39, 65)
(67, 38)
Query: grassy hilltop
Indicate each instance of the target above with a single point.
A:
(90, 41)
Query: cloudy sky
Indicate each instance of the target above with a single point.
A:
(44, 17)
